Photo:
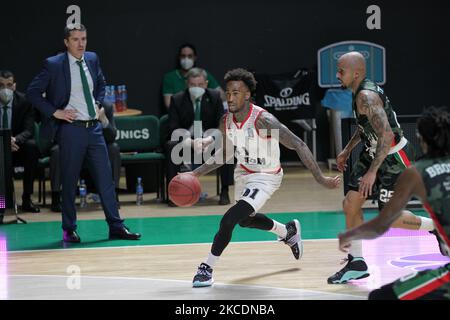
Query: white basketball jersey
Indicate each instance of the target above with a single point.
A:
(254, 153)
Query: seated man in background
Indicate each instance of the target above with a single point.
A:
(175, 80)
(197, 103)
(106, 117)
(17, 114)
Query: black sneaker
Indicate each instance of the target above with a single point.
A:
(442, 247)
(203, 278)
(356, 268)
(293, 238)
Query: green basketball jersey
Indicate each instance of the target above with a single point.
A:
(435, 174)
(368, 134)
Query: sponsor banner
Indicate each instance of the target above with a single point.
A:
(287, 96)
(133, 134)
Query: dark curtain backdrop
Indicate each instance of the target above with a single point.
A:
(137, 42)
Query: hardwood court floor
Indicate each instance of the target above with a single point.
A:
(248, 270)
(35, 265)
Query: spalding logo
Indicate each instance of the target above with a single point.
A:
(286, 92)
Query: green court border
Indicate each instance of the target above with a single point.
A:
(166, 231)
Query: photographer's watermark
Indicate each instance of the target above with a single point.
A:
(74, 280)
(74, 20)
(254, 147)
(374, 20)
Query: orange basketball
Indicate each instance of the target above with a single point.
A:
(184, 190)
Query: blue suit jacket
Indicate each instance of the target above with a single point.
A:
(54, 80)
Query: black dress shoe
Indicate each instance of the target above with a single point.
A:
(28, 206)
(224, 198)
(123, 234)
(71, 236)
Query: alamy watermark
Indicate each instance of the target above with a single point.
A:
(374, 20)
(73, 282)
(195, 147)
(74, 20)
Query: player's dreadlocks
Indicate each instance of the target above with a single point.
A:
(434, 127)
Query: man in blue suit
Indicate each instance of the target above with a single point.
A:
(74, 86)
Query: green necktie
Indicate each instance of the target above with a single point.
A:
(5, 122)
(198, 110)
(86, 91)
(198, 131)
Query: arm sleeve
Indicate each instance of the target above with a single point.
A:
(35, 90)
(110, 131)
(101, 83)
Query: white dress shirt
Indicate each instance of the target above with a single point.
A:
(77, 100)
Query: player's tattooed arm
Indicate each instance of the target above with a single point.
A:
(217, 161)
(267, 121)
(370, 104)
(356, 138)
(342, 157)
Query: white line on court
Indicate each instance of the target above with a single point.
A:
(189, 284)
(189, 244)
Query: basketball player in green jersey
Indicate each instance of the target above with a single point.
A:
(428, 179)
(385, 155)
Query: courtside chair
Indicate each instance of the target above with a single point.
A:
(139, 141)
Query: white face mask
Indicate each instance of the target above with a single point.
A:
(196, 92)
(6, 95)
(186, 63)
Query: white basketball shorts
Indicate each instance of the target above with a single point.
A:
(256, 188)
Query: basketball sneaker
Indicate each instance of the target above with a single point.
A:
(293, 238)
(203, 278)
(356, 268)
(442, 247)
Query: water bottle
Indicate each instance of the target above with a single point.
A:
(113, 97)
(107, 94)
(139, 191)
(124, 97)
(83, 194)
(119, 101)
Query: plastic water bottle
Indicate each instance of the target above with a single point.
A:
(139, 192)
(203, 197)
(83, 194)
(108, 94)
(119, 101)
(106, 98)
(124, 97)
(113, 97)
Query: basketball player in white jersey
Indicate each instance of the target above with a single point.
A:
(256, 135)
